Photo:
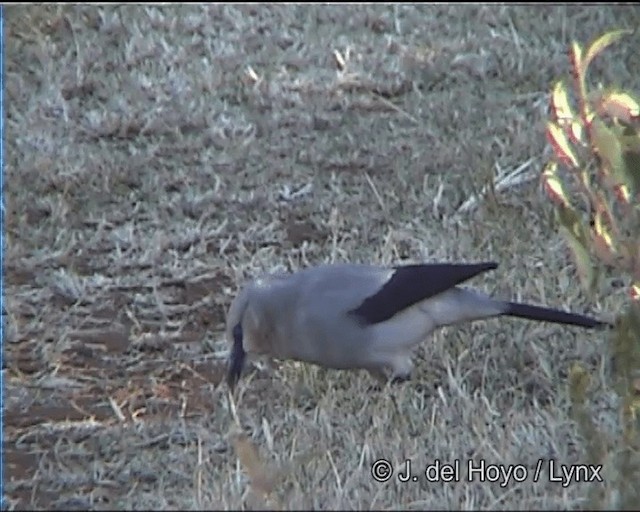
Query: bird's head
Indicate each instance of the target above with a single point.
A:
(235, 337)
(248, 328)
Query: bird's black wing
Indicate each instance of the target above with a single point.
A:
(237, 357)
(411, 284)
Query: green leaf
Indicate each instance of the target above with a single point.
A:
(575, 54)
(630, 141)
(630, 257)
(609, 148)
(632, 171)
(582, 260)
(603, 243)
(599, 45)
(570, 219)
(576, 133)
(552, 184)
(579, 82)
(576, 237)
(619, 105)
(561, 146)
(579, 381)
(564, 114)
(560, 104)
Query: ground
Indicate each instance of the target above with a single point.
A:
(158, 156)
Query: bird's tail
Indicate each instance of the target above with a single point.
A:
(551, 315)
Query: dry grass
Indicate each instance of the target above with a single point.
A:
(157, 156)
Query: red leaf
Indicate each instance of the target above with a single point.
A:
(561, 146)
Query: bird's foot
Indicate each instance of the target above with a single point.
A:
(376, 387)
(379, 376)
(382, 380)
(400, 379)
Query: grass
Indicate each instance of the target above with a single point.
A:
(159, 156)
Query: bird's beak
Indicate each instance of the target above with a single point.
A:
(236, 358)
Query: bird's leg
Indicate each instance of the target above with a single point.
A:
(401, 368)
(379, 375)
(399, 379)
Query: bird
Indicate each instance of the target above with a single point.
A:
(360, 316)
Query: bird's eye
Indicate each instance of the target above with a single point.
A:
(237, 333)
